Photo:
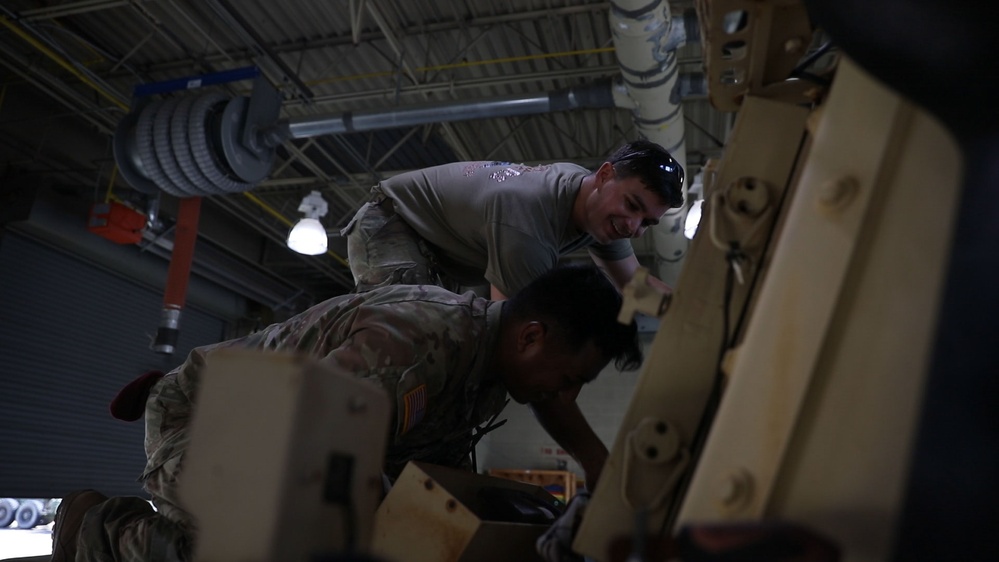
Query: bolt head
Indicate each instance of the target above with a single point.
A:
(735, 490)
(838, 192)
(793, 45)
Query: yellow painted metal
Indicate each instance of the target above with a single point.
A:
(432, 515)
(817, 423)
(653, 446)
(464, 64)
(61, 61)
(639, 296)
(270, 473)
(750, 48)
(420, 520)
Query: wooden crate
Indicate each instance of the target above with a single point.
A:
(559, 483)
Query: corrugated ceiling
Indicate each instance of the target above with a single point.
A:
(82, 59)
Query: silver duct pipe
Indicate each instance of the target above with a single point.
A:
(646, 38)
(595, 95)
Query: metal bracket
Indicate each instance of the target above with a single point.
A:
(639, 296)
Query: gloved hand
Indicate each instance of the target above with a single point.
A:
(555, 545)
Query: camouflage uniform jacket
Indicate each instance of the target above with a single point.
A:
(427, 347)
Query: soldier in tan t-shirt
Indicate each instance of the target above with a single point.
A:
(502, 224)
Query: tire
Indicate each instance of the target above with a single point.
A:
(48, 511)
(8, 508)
(28, 514)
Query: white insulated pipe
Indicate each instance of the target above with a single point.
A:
(645, 38)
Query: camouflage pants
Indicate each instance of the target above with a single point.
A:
(127, 528)
(383, 250)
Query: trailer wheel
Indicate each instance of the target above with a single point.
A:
(8, 508)
(28, 514)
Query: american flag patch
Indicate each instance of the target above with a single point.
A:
(414, 405)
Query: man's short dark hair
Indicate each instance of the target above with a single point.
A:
(652, 164)
(582, 304)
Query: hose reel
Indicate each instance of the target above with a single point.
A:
(191, 146)
(199, 144)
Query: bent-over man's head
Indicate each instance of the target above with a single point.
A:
(560, 331)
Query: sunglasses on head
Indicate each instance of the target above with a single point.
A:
(650, 162)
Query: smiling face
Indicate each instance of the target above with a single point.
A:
(545, 366)
(617, 208)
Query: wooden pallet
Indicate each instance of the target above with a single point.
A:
(559, 483)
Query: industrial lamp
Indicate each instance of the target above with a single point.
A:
(693, 219)
(696, 191)
(309, 235)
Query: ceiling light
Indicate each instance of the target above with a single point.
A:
(309, 235)
(693, 219)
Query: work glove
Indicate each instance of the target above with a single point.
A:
(555, 545)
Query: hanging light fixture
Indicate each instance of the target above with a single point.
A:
(696, 194)
(309, 235)
(693, 219)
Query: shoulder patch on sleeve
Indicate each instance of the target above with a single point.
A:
(414, 405)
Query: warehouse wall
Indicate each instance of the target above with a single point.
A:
(521, 443)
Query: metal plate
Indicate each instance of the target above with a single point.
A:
(248, 165)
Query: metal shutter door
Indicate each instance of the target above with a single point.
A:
(71, 335)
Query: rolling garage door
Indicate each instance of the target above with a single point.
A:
(71, 335)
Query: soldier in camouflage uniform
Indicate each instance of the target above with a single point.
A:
(448, 361)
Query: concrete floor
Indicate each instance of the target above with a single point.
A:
(15, 543)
